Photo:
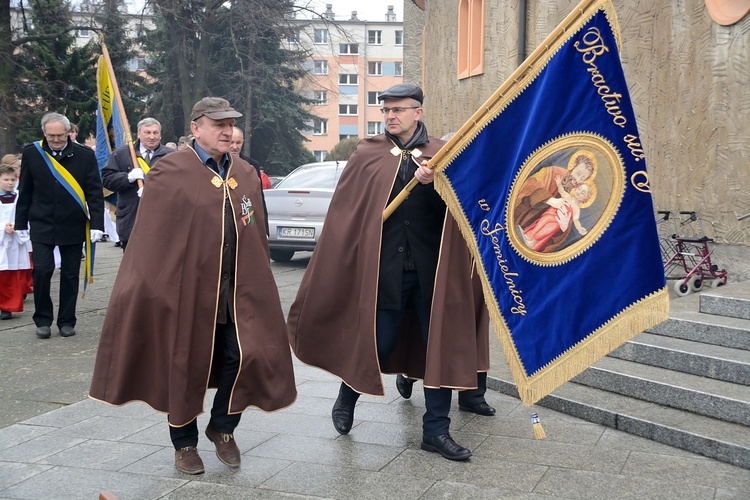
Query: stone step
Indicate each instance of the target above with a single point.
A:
(687, 356)
(705, 396)
(706, 328)
(710, 437)
(731, 301)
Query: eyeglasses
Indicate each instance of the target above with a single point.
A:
(56, 136)
(397, 111)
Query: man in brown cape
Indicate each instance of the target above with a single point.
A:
(203, 309)
(405, 302)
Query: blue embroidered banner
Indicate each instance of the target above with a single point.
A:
(548, 183)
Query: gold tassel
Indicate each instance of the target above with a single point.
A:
(536, 426)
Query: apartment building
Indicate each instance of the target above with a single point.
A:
(351, 61)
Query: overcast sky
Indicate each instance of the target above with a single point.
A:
(367, 10)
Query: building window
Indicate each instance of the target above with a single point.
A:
(398, 69)
(372, 99)
(140, 30)
(348, 48)
(141, 65)
(347, 79)
(320, 97)
(343, 137)
(399, 37)
(470, 38)
(348, 109)
(320, 35)
(293, 37)
(374, 37)
(374, 128)
(320, 155)
(319, 126)
(375, 68)
(82, 32)
(320, 67)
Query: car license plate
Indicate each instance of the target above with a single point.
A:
(297, 232)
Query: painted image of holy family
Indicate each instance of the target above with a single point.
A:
(561, 199)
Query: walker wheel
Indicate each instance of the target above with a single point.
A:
(696, 282)
(717, 282)
(681, 288)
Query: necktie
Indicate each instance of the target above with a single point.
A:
(148, 156)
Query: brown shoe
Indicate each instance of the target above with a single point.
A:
(188, 461)
(226, 447)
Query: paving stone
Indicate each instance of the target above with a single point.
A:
(571, 483)
(96, 454)
(37, 449)
(13, 473)
(342, 452)
(63, 483)
(20, 433)
(68, 415)
(341, 482)
(546, 452)
(483, 471)
(451, 490)
(215, 491)
(688, 470)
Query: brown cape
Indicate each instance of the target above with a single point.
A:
(157, 340)
(332, 321)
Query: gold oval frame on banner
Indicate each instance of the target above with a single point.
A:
(608, 169)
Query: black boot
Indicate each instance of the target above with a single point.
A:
(404, 386)
(343, 409)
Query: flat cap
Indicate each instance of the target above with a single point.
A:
(215, 108)
(402, 91)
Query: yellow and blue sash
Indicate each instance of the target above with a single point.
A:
(144, 165)
(71, 185)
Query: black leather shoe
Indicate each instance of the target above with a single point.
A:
(342, 415)
(446, 446)
(43, 332)
(479, 408)
(6, 315)
(404, 386)
(67, 331)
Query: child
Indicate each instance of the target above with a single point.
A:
(537, 234)
(15, 265)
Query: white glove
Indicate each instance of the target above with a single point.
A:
(96, 235)
(135, 174)
(140, 192)
(23, 234)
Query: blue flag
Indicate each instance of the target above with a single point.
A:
(548, 183)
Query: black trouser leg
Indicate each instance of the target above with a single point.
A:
(44, 267)
(221, 420)
(187, 435)
(470, 397)
(70, 272)
(435, 420)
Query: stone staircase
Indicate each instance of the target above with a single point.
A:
(685, 383)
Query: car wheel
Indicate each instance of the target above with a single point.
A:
(282, 255)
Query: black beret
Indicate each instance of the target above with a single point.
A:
(401, 91)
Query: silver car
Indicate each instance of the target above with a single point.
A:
(297, 207)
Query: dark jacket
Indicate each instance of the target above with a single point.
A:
(45, 207)
(115, 178)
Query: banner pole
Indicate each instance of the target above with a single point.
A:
(118, 98)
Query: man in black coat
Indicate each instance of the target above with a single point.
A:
(121, 176)
(55, 216)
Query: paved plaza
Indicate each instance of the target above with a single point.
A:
(55, 443)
